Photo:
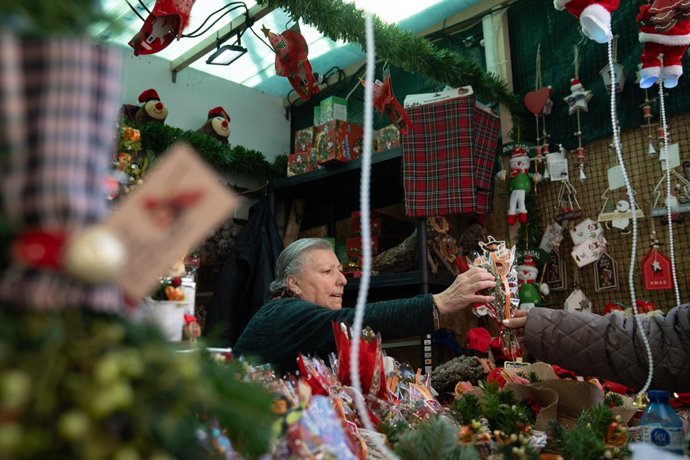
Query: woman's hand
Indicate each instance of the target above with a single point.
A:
(463, 292)
(517, 322)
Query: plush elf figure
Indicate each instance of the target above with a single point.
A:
(529, 290)
(152, 109)
(664, 30)
(519, 184)
(594, 16)
(217, 124)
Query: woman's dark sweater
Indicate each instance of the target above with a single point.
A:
(284, 327)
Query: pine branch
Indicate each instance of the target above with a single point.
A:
(434, 439)
(466, 409)
(344, 21)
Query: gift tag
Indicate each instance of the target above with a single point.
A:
(588, 251)
(656, 271)
(577, 301)
(605, 273)
(556, 273)
(180, 201)
(586, 229)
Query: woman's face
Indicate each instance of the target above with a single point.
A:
(321, 280)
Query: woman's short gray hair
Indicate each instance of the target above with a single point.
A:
(291, 260)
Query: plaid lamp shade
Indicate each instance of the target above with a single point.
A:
(58, 112)
(448, 158)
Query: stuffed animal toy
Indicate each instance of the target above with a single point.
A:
(291, 61)
(164, 24)
(152, 109)
(520, 184)
(217, 124)
(530, 290)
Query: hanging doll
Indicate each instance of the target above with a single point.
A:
(530, 291)
(664, 30)
(520, 184)
(594, 16)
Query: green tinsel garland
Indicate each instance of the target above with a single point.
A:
(344, 21)
(157, 138)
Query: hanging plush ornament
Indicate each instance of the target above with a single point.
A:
(664, 30)
(385, 102)
(530, 290)
(594, 16)
(291, 61)
(519, 185)
(166, 22)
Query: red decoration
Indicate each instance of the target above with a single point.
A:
(291, 61)
(385, 101)
(39, 248)
(656, 271)
(165, 23)
(535, 101)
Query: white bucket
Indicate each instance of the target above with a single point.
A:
(168, 315)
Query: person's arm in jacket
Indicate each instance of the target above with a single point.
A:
(610, 346)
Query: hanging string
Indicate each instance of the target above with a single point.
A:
(662, 110)
(364, 192)
(633, 205)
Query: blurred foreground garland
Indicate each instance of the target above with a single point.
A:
(156, 138)
(78, 384)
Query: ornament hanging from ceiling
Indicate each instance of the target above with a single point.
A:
(167, 21)
(539, 103)
(386, 102)
(292, 61)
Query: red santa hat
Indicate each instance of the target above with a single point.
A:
(575, 85)
(148, 95)
(478, 339)
(218, 112)
(529, 261)
(518, 151)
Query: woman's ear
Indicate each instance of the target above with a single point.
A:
(292, 283)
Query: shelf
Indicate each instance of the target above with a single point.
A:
(414, 278)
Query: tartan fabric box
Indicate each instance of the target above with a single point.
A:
(337, 141)
(304, 140)
(448, 159)
(387, 138)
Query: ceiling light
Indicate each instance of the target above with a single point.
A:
(226, 55)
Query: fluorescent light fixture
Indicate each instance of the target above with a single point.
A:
(226, 55)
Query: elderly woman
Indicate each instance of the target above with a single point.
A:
(307, 296)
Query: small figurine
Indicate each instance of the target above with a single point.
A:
(217, 124)
(519, 184)
(530, 291)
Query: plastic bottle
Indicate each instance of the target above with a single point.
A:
(661, 425)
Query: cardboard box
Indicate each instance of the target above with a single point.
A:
(337, 141)
(304, 140)
(333, 108)
(317, 115)
(387, 138)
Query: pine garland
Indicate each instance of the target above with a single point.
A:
(344, 21)
(434, 439)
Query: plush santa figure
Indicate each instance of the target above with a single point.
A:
(151, 109)
(530, 291)
(217, 124)
(664, 30)
(519, 184)
(594, 16)
(164, 24)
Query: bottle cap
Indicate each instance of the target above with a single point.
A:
(658, 396)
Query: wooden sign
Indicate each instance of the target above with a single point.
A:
(556, 274)
(577, 301)
(605, 273)
(656, 271)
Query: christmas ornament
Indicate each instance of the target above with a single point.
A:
(679, 198)
(166, 22)
(594, 16)
(567, 206)
(656, 270)
(539, 103)
(291, 61)
(556, 272)
(664, 30)
(519, 185)
(619, 213)
(385, 102)
(605, 273)
(530, 291)
(217, 125)
(95, 256)
(577, 102)
(577, 301)
(618, 71)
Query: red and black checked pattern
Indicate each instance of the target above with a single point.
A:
(448, 158)
(58, 112)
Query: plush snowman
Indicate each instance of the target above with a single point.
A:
(529, 290)
(519, 184)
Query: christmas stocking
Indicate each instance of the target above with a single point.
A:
(165, 23)
(665, 33)
(594, 16)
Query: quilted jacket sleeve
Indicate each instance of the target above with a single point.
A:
(609, 347)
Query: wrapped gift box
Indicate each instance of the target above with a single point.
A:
(387, 138)
(297, 163)
(333, 108)
(337, 141)
(304, 140)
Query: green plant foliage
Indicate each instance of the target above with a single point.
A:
(466, 409)
(339, 20)
(613, 400)
(81, 385)
(503, 411)
(41, 17)
(434, 439)
(157, 137)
